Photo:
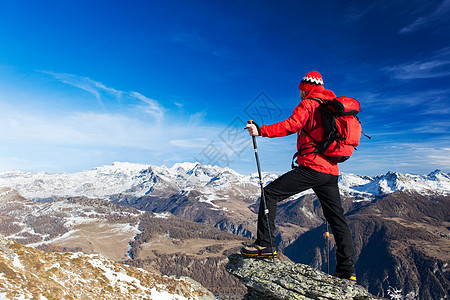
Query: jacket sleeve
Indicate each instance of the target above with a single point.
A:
(292, 124)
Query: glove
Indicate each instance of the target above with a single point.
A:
(251, 126)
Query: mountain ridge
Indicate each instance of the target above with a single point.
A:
(144, 180)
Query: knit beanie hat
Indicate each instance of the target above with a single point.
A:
(311, 81)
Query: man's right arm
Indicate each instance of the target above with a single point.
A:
(289, 126)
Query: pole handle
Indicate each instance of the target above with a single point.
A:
(254, 145)
(249, 122)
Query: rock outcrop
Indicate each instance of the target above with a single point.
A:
(265, 279)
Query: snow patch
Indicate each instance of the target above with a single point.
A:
(164, 215)
(56, 265)
(117, 278)
(17, 263)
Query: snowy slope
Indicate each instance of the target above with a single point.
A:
(32, 274)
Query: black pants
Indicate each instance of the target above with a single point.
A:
(326, 188)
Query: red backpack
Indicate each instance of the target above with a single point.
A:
(342, 130)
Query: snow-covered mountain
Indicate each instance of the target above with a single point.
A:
(365, 187)
(212, 182)
(137, 180)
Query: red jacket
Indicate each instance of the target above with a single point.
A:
(306, 116)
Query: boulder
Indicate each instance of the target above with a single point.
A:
(267, 279)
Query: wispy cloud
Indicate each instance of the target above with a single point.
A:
(436, 101)
(85, 83)
(150, 106)
(442, 127)
(96, 88)
(437, 66)
(414, 26)
(197, 118)
(432, 152)
(440, 13)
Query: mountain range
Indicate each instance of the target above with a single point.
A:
(213, 182)
(152, 216)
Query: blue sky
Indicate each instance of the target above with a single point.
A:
(87, 83)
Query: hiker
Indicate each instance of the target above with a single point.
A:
(313, 171)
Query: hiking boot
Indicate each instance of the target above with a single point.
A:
(343, 275)
(255, 250)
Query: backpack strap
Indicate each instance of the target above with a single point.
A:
(298, 153)
(320, 100)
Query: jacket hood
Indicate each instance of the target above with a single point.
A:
(322, 93)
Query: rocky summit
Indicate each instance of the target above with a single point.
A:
(267, 279)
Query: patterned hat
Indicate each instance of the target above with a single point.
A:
(311, 81)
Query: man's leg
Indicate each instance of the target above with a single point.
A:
(289, 184)
(330, 201)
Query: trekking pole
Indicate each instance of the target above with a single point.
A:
(327, 234)
(263, 198)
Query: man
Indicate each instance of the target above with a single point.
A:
(313, 171)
